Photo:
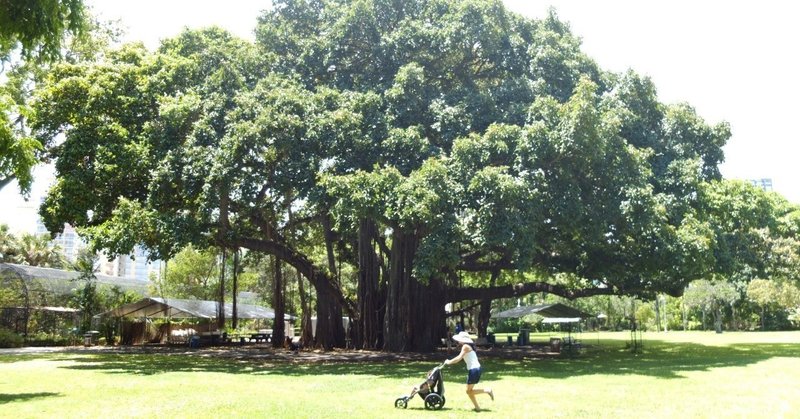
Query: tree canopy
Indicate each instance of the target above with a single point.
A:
(37, 28)
(431, 145)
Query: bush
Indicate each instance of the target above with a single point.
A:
(49, 339)
(9, 339)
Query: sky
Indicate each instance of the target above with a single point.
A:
(734, 61)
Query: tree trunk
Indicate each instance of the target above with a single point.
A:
(306, 333)
(368, 280)
(704, 320)
(330, 330)
(221, 299)
(718, 319)
(326, 225)
(330, 299)
(486, 309)
(684, 317)
(414, 319)
(658, 314)
(235, 313)
(396, 335)
(279, 305)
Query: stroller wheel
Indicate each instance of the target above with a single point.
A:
(434, 401)
(401, 403)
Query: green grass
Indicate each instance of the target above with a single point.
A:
(677, 375)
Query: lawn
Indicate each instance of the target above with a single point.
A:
(677, 375)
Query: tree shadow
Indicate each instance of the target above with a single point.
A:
(23, 397)
(658, 359)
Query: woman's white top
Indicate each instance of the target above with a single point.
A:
(471, 358)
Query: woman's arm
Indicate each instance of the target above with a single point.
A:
(464, 350)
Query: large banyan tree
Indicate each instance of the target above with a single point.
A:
(437, 147)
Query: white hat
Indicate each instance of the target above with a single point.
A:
(462, 337)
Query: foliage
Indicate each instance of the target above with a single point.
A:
(191, 274)
(8, 244)
(30, 249)
(645, 316)
(38, 27)
(65, 31)
(9, 339)
(86, 297)
(51, 339)
(711, 296)
(777, 298)
(449, 138)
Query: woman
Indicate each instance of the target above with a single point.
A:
(470, 357)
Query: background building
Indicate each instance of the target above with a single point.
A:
(763, 183)
(133, 266)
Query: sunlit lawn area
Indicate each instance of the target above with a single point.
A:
(677, 375)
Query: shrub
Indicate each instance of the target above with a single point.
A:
(9, 339)
(49, 339)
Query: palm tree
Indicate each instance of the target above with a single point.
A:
(39, 251)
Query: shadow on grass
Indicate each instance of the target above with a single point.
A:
(659, 359)
(23, 397)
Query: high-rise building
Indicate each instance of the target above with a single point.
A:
(69, 241)
(763, 183)
(133, 266)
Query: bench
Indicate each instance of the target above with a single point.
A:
(260, 337)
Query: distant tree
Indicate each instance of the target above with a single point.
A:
(711, 296)
(772, 295)
(191, 274)
(85, 295)
(39, 250)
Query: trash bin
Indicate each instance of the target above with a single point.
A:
(194, 341)
(555, 344)
(90, 337)
(490, 338)
(510, 341)
(524, 337)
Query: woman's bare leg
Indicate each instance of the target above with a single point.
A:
(471, 393)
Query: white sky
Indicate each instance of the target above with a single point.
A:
(736, 61)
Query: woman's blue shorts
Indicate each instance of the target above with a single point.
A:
(473, 376)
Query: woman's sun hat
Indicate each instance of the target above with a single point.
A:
(462, 337)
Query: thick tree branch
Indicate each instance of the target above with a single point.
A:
(315, 275)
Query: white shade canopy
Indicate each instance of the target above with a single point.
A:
(556, 310)
(152, 307)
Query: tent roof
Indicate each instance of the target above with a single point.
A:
(62, 281)
(561, 320)
(185, 309)
(556, 310)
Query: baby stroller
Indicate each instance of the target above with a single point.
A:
(431, 390)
